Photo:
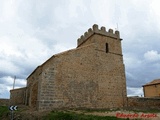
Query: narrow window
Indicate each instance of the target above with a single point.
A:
(107, 49)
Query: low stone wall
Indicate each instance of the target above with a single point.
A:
(143, 103)
(4, 102)
(17, 96)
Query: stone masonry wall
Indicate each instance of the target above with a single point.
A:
(151, 90)
(32, 91)
(143, 103)
(4, 102)
(86, 77)
(65, 80)
(110, 72)
(83, 40)
(47, 90)
(17, 96)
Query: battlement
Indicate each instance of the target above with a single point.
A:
(95, 30)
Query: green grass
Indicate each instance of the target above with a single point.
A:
(3, 111)
(67, 114)
(99, 110)
(59, 115)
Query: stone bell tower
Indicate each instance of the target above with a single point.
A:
(109, 65)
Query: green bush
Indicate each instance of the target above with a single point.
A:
(3, 111)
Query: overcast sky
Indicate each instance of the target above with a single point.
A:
(31, 31)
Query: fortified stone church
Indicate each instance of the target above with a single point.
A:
(89, 76)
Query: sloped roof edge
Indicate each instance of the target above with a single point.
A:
(153, 82)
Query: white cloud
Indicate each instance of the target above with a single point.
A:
(152, 55)
(154, 11)
(8, 80)
(131, 91)
(74, 6)
(8, 11)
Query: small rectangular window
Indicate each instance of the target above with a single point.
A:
(107, 49)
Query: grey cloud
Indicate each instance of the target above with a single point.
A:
(37, 30)
(144, 72)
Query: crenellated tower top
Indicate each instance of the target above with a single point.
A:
(101, 31)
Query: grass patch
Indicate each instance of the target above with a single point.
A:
(3, 111)
(59, 115)
(100, 110)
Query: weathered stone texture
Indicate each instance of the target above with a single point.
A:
(4, 102)
(90, 76)
(17, 96)
(86, 77)
(32, 91)
(143, 103)
(152, 90)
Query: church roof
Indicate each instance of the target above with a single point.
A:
(154, 82)
(56, 55)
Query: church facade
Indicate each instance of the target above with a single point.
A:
(90, 76)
